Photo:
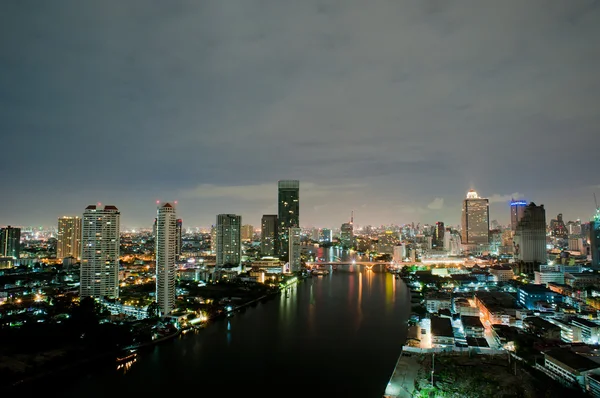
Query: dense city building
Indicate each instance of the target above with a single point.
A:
(166, 255)
(68, 242)
(288, 216)
(438, 234)
(475, 220)
(247, 232)
(100, 240)
(595, 239)
(10, 242)
(229, 239)
(179, 241)
(268, 235)
(347, 234)
(530, 235)
(517, 209)
(294, 249)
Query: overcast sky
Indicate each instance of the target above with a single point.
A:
(393, 109)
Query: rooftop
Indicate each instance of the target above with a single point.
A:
(571, 359)
(471, 321)
(441, 327)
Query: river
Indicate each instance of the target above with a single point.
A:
(330, 336)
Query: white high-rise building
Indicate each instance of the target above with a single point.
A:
(166, 252)
(294, 249)
(229, 240)
(68, 238)
(100, 252)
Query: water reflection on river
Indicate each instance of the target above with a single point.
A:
(333, 335)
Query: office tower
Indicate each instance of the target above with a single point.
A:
(475, 220)
(247, 232)
(229, 239)
(558, 227)
(288, 216)
(347, 233)
(154, 229)
(268, 235)
(595, 239)
(530, 236)
(100, 252)
(326, 235)
(213, 239)
(294, 249)
(517, 209)
(68, 242)
(10, 242)
(438, 234)
(315, 234)
(179, 241)
(167, 227)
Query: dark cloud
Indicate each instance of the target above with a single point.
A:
(383, 107)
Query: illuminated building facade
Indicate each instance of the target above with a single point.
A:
(179, 241)
(517, 209)
(595, 239)
(438, 234)
(288, 207)
(475, 220)
(530, 235)
(294, 249)
(166, 254)
(10, 242)
(100, 244)
(229, 239)
(268, 235)
(247, 232)
(69, 238)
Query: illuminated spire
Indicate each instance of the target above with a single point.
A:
(472, 194)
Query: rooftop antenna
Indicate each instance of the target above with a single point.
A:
(596, 202)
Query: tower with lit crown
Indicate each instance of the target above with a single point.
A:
(475, 220)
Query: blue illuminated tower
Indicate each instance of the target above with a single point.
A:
(595, 239)
(517, 210)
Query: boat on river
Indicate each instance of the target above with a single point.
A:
(127, 356)
(320, 272)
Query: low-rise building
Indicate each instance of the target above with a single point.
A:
(568, 367)
(496, 308)
(442, 335)
(542, 328)
(582, 280)
(438, 301)
(545, 277)
(531, 295)
(502, 273)
(590, 331)
(472, 326)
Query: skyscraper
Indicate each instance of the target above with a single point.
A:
(475, 220)
(347, 233)
(247, 232)
(438, 234)
(294, 249)
(229, 239)
(288, 206)
(595, 239)
(530, 236)
(268, 235)
(69, 238)
(179, 241)
(10, 242)
(100, 252)
(166, 254)
(517, 209)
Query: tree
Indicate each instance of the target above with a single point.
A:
(153, 310)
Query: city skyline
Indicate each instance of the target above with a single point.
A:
(392, 110)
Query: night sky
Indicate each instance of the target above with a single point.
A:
(393, 109)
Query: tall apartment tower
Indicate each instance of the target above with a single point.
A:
(595, 239)
(438, 234)
(268, 235)
(288, 206)
(100, 252)
(213, 239)
(517, 209)
(530, 236)
(179, 241)
(69, 238)
(229, 239)
(475, 220)
(294, 249)
(166, 254)
(10, 242)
